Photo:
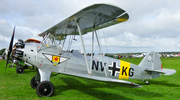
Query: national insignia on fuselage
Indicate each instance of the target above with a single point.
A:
(54, 59)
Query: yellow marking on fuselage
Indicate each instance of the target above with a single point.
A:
(124, 70)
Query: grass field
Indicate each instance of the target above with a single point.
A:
(15, 86)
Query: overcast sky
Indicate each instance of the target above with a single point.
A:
(154, 25)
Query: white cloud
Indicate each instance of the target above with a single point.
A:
(153, 25)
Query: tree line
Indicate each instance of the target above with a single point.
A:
(2, 50)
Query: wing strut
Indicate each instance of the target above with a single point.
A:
(44, 40)
(101, 54)
(93, 29)
(92, 51)
(82, 42)
(58, 49)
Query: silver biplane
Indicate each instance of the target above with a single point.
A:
(53, 58)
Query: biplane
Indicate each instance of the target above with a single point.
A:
(53, 57)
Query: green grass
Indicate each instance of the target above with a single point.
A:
(15, 86)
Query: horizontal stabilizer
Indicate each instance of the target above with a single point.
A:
(164, 71)
(103, 79)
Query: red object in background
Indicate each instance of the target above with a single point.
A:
(119, 56)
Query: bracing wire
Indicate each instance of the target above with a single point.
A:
(105, 41)
(107, 51)
(100, 40)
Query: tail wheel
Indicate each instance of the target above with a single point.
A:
(147, 82)
(45, 88)
(34, 82)
(19, 70)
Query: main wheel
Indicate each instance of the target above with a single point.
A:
(45, 88)
(19, 70)
(34, 82)
(25, 67)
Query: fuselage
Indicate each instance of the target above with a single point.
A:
(55, 60)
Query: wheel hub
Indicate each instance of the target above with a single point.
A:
(45, 90)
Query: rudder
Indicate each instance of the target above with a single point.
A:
(151, 61)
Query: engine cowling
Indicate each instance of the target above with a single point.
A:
(18, 51)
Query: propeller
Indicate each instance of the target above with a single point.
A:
(10, 48)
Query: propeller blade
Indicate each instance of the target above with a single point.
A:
(10, 47)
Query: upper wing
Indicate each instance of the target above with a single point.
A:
(97, 16)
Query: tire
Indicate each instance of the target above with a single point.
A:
(19, 70)
(25, 67)
(147, 82)
(45, 88)
(33, 82)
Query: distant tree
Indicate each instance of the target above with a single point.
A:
(2, 50)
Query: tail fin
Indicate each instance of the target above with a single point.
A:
(151, 61)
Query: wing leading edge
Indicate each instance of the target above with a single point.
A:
(97, 16)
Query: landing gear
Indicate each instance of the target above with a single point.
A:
(34, 82)
(147, 82)
(45, 88)
(19, 70)
(11, 66)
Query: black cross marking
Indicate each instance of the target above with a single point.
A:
(113, 69)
